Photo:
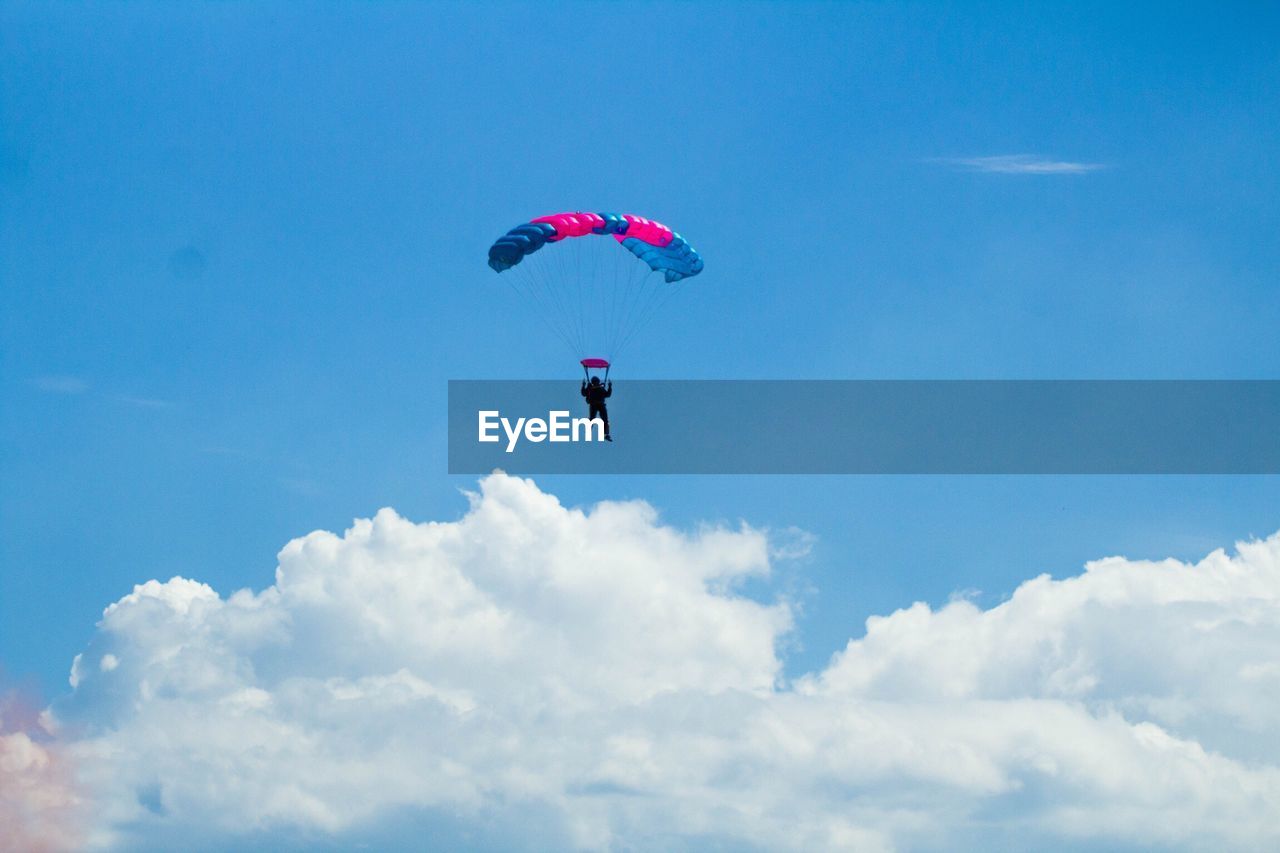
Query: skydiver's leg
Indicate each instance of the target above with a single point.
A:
(598, 410)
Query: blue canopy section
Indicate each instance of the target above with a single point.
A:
(676, 260)
(613, 224)
(510, 249)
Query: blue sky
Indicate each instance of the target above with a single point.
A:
(341, 170)
(242, 249)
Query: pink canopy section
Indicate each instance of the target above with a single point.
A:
(582, 224)
(646, 230)
(595, 362)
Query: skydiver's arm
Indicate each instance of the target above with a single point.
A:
(608, 392)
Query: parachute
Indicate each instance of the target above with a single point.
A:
(593, 295)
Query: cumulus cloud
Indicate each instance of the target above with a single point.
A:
(40, 806)
(604, 678)
(1020, 164)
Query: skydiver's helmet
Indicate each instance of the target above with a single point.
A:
(595, 380)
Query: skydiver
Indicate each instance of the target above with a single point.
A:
(596, 393)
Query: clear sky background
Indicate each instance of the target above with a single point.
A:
(242, 249)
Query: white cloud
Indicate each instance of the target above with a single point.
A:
(40, 807)
(595, 675)
(1020, 164)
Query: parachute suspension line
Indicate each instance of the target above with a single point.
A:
(556, 298)
(621, 271)
(612, 315)
(635, 272)
(586, 281)
(597, 276)
(555, 310)
(573, 306)
(531, 293)
(570, 275)
(655, 308)
(620, 297)
(576, 272)
(561, 299)
(543, 297)
(622, 300)
(654, 291)
(664, 292)
(592, 314)
(639, 291)
(540, 267)
(646, 287)
(594, 283)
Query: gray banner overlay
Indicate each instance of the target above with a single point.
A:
(877, 427)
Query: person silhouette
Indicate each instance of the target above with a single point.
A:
(595, 393)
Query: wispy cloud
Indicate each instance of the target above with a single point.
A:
(791, 543)
(142, 402)
(60, 384)
(75, 386)
(1019, 164)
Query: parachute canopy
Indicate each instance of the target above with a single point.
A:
(594, 362)
(657, 245)
(590, 292)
